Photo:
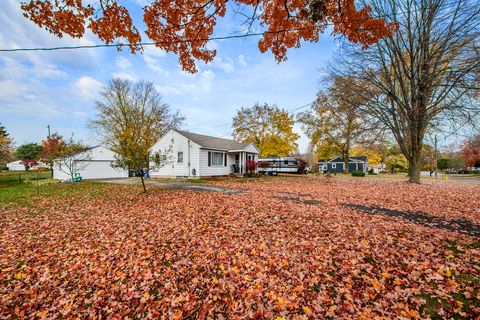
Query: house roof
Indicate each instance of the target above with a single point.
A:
(15, 162)
(214, 142)
(352, 159)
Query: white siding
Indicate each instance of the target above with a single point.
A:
(251, 149)
(174, 143)
(91, 170)
(212, 171)
(92, 164)
(16, 166)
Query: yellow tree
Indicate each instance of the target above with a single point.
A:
(337, 122)
(131, 118)
(269, 127)
(374, 155)
(5, 145)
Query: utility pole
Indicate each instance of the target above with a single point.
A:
(435, 154)
(48, 127)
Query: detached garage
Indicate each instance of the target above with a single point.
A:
(16, 166)
(94, 163)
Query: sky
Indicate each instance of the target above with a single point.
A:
(59, 88)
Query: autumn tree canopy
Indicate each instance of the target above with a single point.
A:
(28, 151)
(131, 118)
(471, 152)
(5, 145)
(269, 127)
(52, 148)
(184, 27)
(424, 75)
(336, 121)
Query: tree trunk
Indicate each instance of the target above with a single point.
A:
(347, 164)
(414, 167)
(143, 184)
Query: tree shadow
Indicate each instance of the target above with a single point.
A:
(462, 226)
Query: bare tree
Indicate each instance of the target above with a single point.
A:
(424, 74)
(72, 158)
(131, 118)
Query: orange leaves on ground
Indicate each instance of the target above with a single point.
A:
(183, 254)
(184, 27)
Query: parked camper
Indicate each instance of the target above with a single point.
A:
(275, 165)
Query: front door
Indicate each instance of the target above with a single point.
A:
(237, 163)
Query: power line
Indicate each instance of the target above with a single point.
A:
(299, 108)
(119, 45)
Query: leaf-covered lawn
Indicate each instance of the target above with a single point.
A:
(290, 248)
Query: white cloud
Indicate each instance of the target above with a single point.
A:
(123, 63)
(168, 90)
(125, 76)
(87, 87)
(154, 57)
(226, 65)
(212, 45)
(206, 79)
(241, 60)
(154, 51)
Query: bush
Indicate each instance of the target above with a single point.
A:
(250, 167)
(358, 173)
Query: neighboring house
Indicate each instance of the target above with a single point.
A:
(16, 166)
(337, 165)
(189, 154)
(94, 163)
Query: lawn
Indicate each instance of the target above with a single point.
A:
(282, 248)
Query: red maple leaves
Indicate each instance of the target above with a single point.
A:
(184, 27)
(264, 253)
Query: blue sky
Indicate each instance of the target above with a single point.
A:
(58, 88)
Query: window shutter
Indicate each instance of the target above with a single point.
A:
(209, 159)
(225, 160)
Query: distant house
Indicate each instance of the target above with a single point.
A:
(16, 166)
(195, 155)
(94, 163)
(337, 165)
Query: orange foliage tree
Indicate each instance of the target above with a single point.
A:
(184, 27)
(52, 148)
(471, 152)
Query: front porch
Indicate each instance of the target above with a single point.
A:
(241, 158)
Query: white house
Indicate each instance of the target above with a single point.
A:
(16, 166)
(195, 155)
(94, 163)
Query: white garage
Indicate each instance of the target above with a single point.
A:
(94, 163)
(16, 166)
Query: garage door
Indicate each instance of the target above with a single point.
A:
(100, 170)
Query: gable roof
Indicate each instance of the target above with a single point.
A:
(214, 142)
(341, 159)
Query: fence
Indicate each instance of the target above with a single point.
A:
(14, 178)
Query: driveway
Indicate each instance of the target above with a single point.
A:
(175, 184)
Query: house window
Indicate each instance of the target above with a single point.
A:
(334, 166)
(217, 158)
(180, 157)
